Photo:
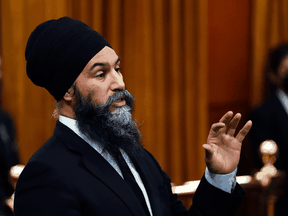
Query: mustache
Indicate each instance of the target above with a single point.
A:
(90, 107)
(119, 94)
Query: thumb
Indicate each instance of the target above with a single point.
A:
(208, 151)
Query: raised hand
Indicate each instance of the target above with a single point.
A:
(222, 151)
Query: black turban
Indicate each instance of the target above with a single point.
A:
(58, 50)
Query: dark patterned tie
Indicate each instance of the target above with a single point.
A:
(130, 180)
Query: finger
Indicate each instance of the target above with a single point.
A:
(217, 126)
(233, 124)
(243, 132)
(226, 118)
(207, 147)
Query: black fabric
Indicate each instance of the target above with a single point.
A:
(8, 158)
(58, 50)
(270, 121)
(130, 180)
(66, 176)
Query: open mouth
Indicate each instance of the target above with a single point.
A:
(118, 103)
(120, 99)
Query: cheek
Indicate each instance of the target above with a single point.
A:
(99, 96)
(98, 92)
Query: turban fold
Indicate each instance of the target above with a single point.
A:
(58, 50)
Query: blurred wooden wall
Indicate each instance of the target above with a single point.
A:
(30, 106)
(186, 62)
(229, 47)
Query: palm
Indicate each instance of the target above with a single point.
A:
(222, 151)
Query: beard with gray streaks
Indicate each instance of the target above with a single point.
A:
(111, 130)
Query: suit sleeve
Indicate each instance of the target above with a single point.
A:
(207, 200)
(38, 187)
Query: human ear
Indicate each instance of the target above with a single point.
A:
(69, 95)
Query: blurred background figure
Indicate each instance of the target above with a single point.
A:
(270, 119)
(8, 157)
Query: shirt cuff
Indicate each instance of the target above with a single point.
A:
(225, 182)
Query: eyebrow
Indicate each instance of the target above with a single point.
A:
(103, 63)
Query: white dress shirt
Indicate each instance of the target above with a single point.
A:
(283, 99)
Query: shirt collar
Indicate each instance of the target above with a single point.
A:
(72, 124)
(283, 99)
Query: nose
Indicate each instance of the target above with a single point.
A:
(117, 81)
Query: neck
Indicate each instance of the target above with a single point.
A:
(66, 109)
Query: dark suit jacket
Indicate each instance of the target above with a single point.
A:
(66, 176)
(270, 121)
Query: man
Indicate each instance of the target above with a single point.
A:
(95, 164)
(271, 118)
(8, 158)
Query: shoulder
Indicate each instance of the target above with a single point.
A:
(49, 150)
(53, 157)
(267, 110)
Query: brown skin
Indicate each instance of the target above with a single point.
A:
(222, 148)
(99, 81)
(222, 151)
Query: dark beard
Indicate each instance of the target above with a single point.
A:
(111, 131)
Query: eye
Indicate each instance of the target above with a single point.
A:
(101, 74)
(118, 69)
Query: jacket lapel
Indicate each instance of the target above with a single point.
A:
(151, 182)
(99, 167)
